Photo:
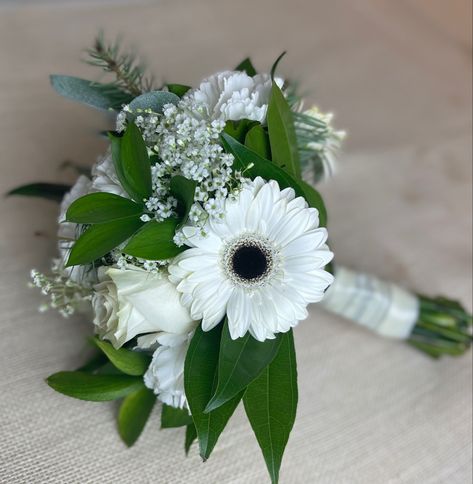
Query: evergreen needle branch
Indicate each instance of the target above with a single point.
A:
(129, 72)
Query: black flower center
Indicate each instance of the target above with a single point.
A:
(250, 262)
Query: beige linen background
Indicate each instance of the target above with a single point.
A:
(398, 76)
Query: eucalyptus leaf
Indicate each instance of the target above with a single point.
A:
(133, 363)
(174, 417)
(94, 94)
(240, 362)
(257, 140)
(191, 435)
(271, 404)
(131, 161)
(134, 413)
(50, 191)
(200, 379)
(100, 239)
(96, 388)
(154, 241)
(102, 207)
(178, 89)
(183, 190)
(246, 66)
(282, 134)
(153, 100)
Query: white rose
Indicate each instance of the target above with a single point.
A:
(133, 301)
(165, 374)
(234, 95)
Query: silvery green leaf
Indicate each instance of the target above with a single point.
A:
(94, 94)
(154, 100)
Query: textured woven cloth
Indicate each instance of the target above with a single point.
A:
(398, 75)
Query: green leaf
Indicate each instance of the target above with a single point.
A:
(239, 129)
(314, 199)
(102, 207)
(174, 417)
(200, 378)
(282, 134)
(271, 404)
(94, 94)
(95, 362)
(131, 160)
(191, 435)
(100, 239)
(50, 191)
(95, 388)
(253, 165)
(154, 101)
(257, 140)
(134, 413)
(154, 241)
(184, 190)
(246, 66)
(240, 362)
(178, 89)
(133, 363)
(275, 65)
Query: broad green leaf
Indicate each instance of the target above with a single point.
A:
(184, 190)
(200, 379)
(95, 388)
(174, 417)
(133, 363)
(246, 66)
(134, 413)
(240, 362)
(95, 362)
(154, 101)
(271, 404)
(102, 207)
(282, 134)
(154, 241)
(275, 65)
(257, 140)
(100, 239)
(239, 129)
(191, 435)
(178, 89)
(95, 94)
(314, 199)
(131, 161)
(253, 165)
(50, 191)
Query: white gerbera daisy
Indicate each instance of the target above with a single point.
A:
(261, 264)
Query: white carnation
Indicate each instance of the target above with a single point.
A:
(234, 95)
(68, 232)
(165, 375)
(105, 179)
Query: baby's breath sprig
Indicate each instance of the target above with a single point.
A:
(65, 295)
(128, 70)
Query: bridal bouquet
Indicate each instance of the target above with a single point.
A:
(196, 244)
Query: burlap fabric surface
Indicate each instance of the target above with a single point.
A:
(398, 75)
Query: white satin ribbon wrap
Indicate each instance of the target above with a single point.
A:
(380, 306)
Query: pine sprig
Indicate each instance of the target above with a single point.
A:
(129, 72)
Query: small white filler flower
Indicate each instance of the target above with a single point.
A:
(261, 264)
